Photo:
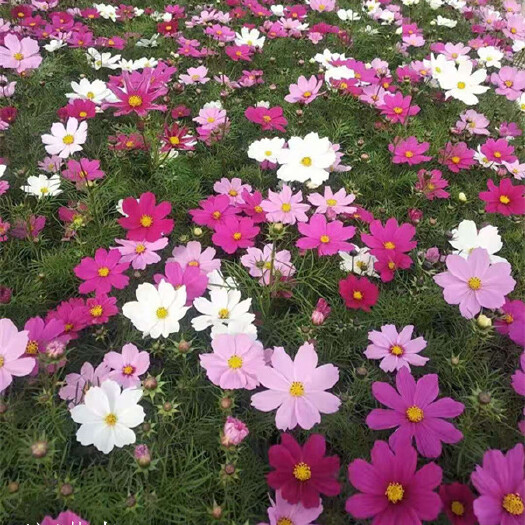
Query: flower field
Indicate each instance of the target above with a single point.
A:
(262, 263)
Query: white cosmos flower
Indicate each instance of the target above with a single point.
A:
(307, 158)
(521, 102)
(361, 264)
(95, 90)
(144, 62)
(266, 149)
(347, 15)
(66, 140)
(490, 56)
(149, 42)
(108, 12)
(326, 57)
(223, 307)
(3, 167)
(54, 45)
(277, 10)
(216, 279)
(462, 84)
(435, 4)
(466, 237)
(445, 22)
(249, 37)
(98, 60)
(157, 310)
(234, 328)
(41, 186)
(107, 416)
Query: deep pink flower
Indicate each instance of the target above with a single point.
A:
(237, 53)
(29, 228)
(177, 138)
(213, 211)
(498, 150)
(100, 308)
(83, 171)
(305, 91)
(397, 108)
(127, 366)
(191, 277)
(500, 481)
(321, 312)
(358, 292)
(102, 273)
(235, 233)
(302, 473)
(415, 414)
(507, 198)
(81, 109)
(145, 221)
(40, 333)
(390, 238)
(389, 261)
(457, 502)
(457, 156)
(432, 184)
(513, 321)
(74, 314)
(409, 151)
(392, 491)
(268, 118)
(252, 206)
(328, 237)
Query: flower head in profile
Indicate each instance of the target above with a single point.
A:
(107, 416)
(466, 237)
(297, 388)
(77, 384)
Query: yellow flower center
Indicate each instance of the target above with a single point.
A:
(504, 199)
(474, 283)
(391, 265)
(111, 420)
(508, 319)
(32, 347)
(258, 209)
(461, 85)
(457, 508)
(135, 101)
(508, 83)
(68, 327)
(237, 235)
(395, 492)
(1, 361)
(268, 153)
(284, 521)
(174, 141)
(302, 472)
(389, 245)
(286, 206)
(193, 263)
(103, 271)
(216, 215)
(513, 504)
(210, 120)
(306, 161)
(297, 389)
(96, 311)
(90, 95)
(307, 94)
(455, 159)
(82, 114)
(44, 190)
(331, 202)
(267, 118)
(140, 248)
(68, 139)
(146, 221)
(398, 110)
(235, 362)
(396, 350)
(128, 370)
(233, 193)
(224, 313)
(409, 154)
(415, 414)
(18, 56)
(324, 239)
(357, 295)
(497, 154)
(162, 312)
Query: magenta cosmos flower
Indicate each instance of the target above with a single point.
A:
(328, 237)
(390, 238)
(235, 233)
(286, 207)
(458, 502)
(83, 171)
(19, 55)
(213, 211)
(235, 362)
(127, 366)
(358, 293)
(498, 151)
(414, 412)
(268, 118)
(474, 282)
(409, 151)
(191, 277)
(297, 388)
(500, 481)
(506, 198)
(303, 473)
(283, 513)
(65, 518)
(145, 221)
(393, 492)
(457, 156)
(513, 321)
(102, 273)
(305, 91)
(397, 108)
(395, 350)
(13, 346)
(431, 184)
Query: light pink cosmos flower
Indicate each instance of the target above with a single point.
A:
(66, 140)
(78, 384)
(395, 350)
(282, 513)
(259, 264)
(234, 188)
(474, 283)
(235, 362)
(19, 55)
(297, 388)
(13, 346)
(473, 122)
(305, 91)
(193, 255)
(234, 432)
(210, 118)
(332, 203)
(516, 169)
(127, 366)
(322, 5)
(140, 253)
(285, 206)
(195, 75)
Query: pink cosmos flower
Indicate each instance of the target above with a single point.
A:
(397, 108)
(74, 314)
(252, 206)
(13, 347)
(500, 481)
(358, 293)
(409, 151)
(322, 5)
(41, 333)
(498, 150)
(29, 228)
(235, 362)
(81, 109)
(431, 184)
(65, 140)
(395, 350)
(82, 171)
(281, 512)
(64, 518)
(457, 156)
(390, 238)
(506, 198)
(268, 118)
(285, 206)
(235, 233)
(474, 283)
(211, 118)
(234, 188)
(19, 55)
(127, 366)
(392, 491)
(513, 321)
(305, 91)
(191, 277)
(193, 255)
(458, 502)
(472, 122)
(328, 237)
(260, 264)
(144, 219)
(102, 273)
(77, 384)
(297, 389)
(213, 211)
(140, 253)
(510, 82)
(518, 379)
(234, 432)
(100, 308)
(237, 53)
(332, 203)
(415, 414)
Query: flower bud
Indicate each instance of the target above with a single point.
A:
(234, 432)
(483, 321)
